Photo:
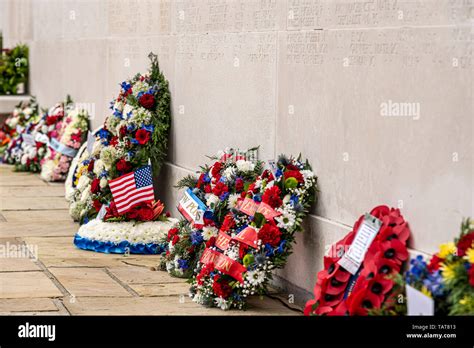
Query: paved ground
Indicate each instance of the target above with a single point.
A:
(64, 280)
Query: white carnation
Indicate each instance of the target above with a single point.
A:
(245, 166)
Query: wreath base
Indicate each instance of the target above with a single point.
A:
(123, 237)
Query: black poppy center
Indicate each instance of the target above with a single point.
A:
(392, 236)
(385, 269)
(335, 282)
(367, 304)
(331, 268)
(328, 297)
(390, 253)
(377, 288)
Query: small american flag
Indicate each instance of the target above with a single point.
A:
(132, 188)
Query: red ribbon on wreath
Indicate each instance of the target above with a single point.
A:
(337, 292)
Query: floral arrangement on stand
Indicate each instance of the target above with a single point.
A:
(23, 115)
(43, 132)
(135, 134)
(257, 238)
(448, 277)
(217, 189)
(60, 153)
(372, 284)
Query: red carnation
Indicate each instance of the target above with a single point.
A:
(90, 167)
(205, 271)
(271, 196)
(124, 166)
(171, 233)
(294, 174)
(270, 234)
(471, 276)
(97, 205)
(216, 169)
(434, 264)
(142, 136)
(123, 131)
(175, 239)
(466, 242)
(114, 141)
(211, 242)
(147, 100)
(200, 180)
(221, 287)
(77, 137)
(219, 189)
(95, 185)
(239, 184)
(207, 188)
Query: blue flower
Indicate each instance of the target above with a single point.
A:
(196, 238)
(129, 114)
(118, 113)
(134, 141)
(131, 127)
(111, 105)
(434, 283)
(294, 199)
(281, 247)
(183, 264)
(125, 86)
(257, 198)
(224, 196)
(103, 133)
(418, 270)
(149, 128)
(268, 250)
(278, 173)
(207, 179)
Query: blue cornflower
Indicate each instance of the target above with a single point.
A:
(125, 86)
(149, 128)
(103, 133)
(183, 264)
(224, 196)
(281, 247)
(257, 198)
(434, 283)
(278, 173)
(131, 127)
(118, 113)
(268, 250)
(206, 178)
(294, 199)
(196, 238)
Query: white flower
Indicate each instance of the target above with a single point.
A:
(24, 158)
(255, 277)
(96, 148)
(98, 167)
(229, 173)
(31, 152)
(245, 166)
(232, 200)
(86, 195)
(212, 200)
(103, 182)
(208, 232)
(83, 182)
(287, 219)
(28, 111)
(222, 303)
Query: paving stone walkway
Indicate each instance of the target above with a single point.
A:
(64, 280)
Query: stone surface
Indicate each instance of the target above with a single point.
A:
(170, 289)
(142, 275)
(36, 203)
(88, 282)
(27, 305)
(27, 285)
(48, 191)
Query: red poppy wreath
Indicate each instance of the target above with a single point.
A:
(348, 287)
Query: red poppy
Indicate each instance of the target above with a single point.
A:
(271, 196)
(361, 301)
(393, 250)
(142, 136)
(435, 263)
(147, 100)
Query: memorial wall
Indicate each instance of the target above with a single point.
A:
(378, 94)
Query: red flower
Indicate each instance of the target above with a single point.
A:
(145, 213)
(216, 170)
(242, 250)
(114, 141)
(434, 264)
(111, 211)
(175, 239)
(142, 136)
(471, 276)
(200, 180)
(294, 174)
(147, 100)
(123, 131)
(77, 137)
(394, 250)
(97, 205)
(270, 234)
(239, 184)
(361, 301)
(205, 271)
(90, 167)
(124, 166)
(219, 189)
(171, 233)
(207, 188)
(466, 242)
(228, 223)
(271, 196)
(51, 120)
(95, 185)
(221, 287)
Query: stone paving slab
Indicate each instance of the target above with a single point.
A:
(21, 180)
(161, 289)
(142, 275)
(88, 282)
(36, 217)
(27, 229)
(27, 191)
(27, 305)
(27, 285)
(33, 203)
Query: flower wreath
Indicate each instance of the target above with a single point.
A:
(45, 131)
(256, 239)
(448, 277)
(56, 163)
(217, 188)
(338, 292)
(136, 132)
(23, 115)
